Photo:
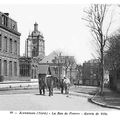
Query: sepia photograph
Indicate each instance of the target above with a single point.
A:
(60, 59)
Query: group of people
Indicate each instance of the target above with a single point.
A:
(49, 81)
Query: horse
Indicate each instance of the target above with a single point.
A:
(50, 84)
(42, 84)
(47, 82)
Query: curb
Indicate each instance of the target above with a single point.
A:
(80, 95)
(102, 104)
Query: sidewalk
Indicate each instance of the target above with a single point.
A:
(110, 99)
(12, 85)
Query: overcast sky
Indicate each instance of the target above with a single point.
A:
(60, 24)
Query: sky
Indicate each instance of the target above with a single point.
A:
(61, 25)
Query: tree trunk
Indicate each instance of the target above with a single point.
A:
(102, 72)
(70, 74)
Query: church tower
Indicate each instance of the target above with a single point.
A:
(35, 44)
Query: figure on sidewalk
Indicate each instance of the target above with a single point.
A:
(65, 85)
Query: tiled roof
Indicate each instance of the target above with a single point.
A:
(49, 58)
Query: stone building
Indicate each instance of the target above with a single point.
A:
(9, 48)
(35, 44)
(34, 52)
(28, 68)
(91, 72)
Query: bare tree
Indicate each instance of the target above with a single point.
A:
(96, 15)
(69, 63)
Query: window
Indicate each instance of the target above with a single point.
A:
(21, 69)
(5, 44)
(4, 20)
(10, 68)
(15, 68)
(15, 47)
(5, 67)
(0, 42)
(13, 26)
(10, 46)
(0, 66)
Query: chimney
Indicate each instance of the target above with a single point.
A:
(6, 14)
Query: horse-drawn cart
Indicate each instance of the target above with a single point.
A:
(47, 79)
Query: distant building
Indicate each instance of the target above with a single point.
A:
(50, 61)
(57, 63)
(91, 73)
(9, 48)
(35, 44)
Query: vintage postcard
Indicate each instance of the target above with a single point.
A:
(59, 61)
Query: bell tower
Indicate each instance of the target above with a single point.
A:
(35, 44)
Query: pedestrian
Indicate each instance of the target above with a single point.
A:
(67, 85)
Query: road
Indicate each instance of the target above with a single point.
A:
(31, 100)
